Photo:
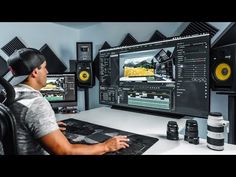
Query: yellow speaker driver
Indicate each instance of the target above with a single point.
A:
(222, 72)
(84, 76)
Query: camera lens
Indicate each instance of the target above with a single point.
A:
(172, 130)
(215, 131)
(191, 132)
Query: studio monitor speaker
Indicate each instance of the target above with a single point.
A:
(223, 68)
(85, 74)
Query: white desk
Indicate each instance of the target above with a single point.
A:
(149, 125)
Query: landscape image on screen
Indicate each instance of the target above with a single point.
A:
(147, 65)
(54, 91)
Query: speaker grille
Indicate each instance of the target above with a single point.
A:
(54, 64)
(3, 66)
(129, 40)
(13, 45)
(199, 28)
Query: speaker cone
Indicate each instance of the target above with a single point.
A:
(84, 76)
(222, 72)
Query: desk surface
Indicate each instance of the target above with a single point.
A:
(149, 125)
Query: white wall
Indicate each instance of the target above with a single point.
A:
(60, 39)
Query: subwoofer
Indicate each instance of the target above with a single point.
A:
(85, 74)
(223, 68)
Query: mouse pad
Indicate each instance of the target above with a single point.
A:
(82, 132)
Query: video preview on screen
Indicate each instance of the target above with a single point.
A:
(148, 65)
(54, 91)
(59, 88)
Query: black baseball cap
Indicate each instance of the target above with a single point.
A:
(22, 62)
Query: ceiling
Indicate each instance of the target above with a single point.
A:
(77, 25)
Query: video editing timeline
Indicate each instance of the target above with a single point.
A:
(60, 87)
(170, 76)
(87, 133)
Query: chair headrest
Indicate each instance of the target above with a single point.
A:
(10, 92)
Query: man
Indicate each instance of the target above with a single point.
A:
(37, 129)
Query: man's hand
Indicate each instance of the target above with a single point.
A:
(62, 125)
(115, 143)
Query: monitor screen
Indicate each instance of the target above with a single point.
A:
(169, 76)
(61, 90)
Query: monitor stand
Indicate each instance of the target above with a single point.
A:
(151, 112)
(68, 110)
(56, 110)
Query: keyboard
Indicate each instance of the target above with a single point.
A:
(87, 133)
(99, 137)
(79, 130)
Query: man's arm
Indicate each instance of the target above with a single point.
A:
(56, 143)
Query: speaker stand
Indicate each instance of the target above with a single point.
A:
(86, 98)
(231, 115)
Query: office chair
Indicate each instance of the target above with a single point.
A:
(7, 120)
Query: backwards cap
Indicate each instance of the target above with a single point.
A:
(22, 62)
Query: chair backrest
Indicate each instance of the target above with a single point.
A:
(8, 92)
(7, 121)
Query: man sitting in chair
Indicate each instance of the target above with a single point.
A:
(37, 130)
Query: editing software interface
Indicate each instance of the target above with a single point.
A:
(61, 90)
(87, 133)
(169, 76)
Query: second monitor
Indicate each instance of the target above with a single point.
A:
(61, 90)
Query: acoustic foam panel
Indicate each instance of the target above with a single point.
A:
(3, 66)
(199, 28)
(13, 45)
(54, 64)
(229, 37)
(129, 40)
(157, 36)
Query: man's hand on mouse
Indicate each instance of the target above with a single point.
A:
(115, 143)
